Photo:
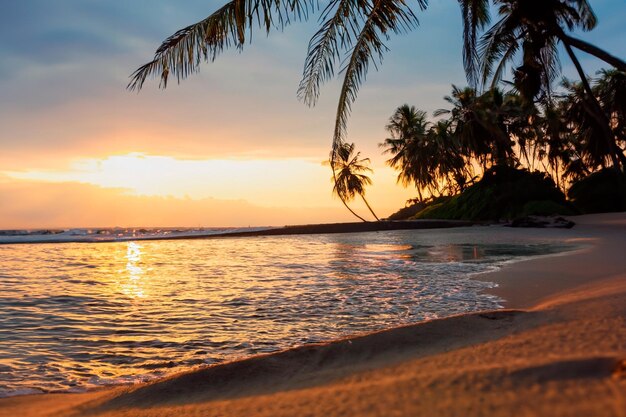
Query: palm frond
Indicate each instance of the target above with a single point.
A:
(498, 44)
(181, 54)
(384, 16)
(584, 13)
(476, 16)
(549, 59)
(441, 112)
(336, 32)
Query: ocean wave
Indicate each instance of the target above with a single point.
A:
(112, 234)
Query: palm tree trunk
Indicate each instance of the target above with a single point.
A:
(368, 206)
(419, 194)
(341, 196)
(351, 211)
(595, 51)
(596, 112)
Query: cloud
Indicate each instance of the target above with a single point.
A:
(295, 183)
(28, 204)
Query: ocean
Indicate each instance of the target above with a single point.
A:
(101, 308)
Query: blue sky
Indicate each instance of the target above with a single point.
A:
(65, 65)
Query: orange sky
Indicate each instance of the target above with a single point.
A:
(144, 190)
(231, 146)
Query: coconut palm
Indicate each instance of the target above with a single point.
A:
(589, 138)
(468, 118)
(425, 154)
(535, 28)
(453, 169)
(409, 129)
(554, 138)
(481, 124)
(349, 176)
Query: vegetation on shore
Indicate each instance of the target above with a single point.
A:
(529, 144)
(529, 155)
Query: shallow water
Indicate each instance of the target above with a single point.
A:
(78, 315)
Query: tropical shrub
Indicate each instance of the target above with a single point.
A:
(502, 193)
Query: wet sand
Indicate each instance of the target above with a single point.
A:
(559, 349)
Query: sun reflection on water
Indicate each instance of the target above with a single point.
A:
(82, 315)
(133, 283)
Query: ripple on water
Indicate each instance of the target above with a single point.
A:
(74, 316)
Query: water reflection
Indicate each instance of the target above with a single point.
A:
(455, 253)
(133, 284)
(77, 315)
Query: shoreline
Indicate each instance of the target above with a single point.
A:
(302, 229)
(603, 235)
(318, 379)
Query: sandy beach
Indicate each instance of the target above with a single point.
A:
(558, 349)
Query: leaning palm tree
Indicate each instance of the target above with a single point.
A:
(349, 176)
(533, 29)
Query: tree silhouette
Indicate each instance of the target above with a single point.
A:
(534, 28)
(349, 176)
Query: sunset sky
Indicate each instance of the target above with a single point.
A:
(231, 146)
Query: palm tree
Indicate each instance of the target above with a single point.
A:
(481, 125)
(467, 117)
(610, 89)
(453, 169)
(555, 138)
(409, 129)
(353, 32)
(589, 137)
(534, 28)
(349, 176)
(425, 154)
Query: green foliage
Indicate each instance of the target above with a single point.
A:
(502, 193)
(603, 191)
(407, 212)
(547, 208)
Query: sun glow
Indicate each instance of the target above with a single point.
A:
(261, 181)
(138, 189)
